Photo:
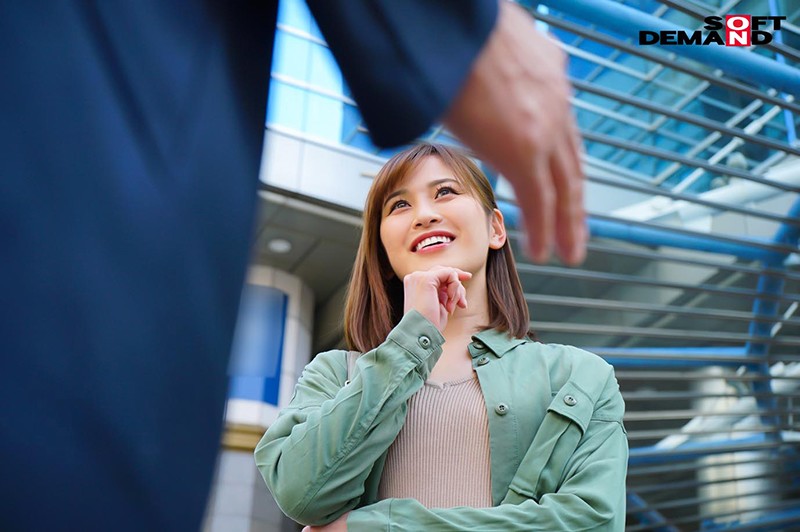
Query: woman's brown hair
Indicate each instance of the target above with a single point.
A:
(375, 295)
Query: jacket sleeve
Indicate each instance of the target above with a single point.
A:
(586, 468)
(404, 61)
(317, 455)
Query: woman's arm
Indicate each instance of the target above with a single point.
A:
(317, 455)
(591, 495)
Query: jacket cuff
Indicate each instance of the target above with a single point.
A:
(420, 338)
(405, 62)
(369, 518)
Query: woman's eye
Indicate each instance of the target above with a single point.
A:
(397, 204)
(444, 191)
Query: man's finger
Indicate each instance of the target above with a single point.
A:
(569, 209)
(536, 199)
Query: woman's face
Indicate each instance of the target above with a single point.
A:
(431, 219)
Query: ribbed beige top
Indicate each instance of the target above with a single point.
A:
(441, 456)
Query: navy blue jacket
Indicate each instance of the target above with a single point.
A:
(130, 139)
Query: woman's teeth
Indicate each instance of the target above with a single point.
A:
(439, 239)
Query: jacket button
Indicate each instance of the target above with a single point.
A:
(569, 400)
(483, 360)
(424, 341)
(501, 409)
(477, 344)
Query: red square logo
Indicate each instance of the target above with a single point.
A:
(737, 30)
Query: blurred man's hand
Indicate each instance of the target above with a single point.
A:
(514, 112)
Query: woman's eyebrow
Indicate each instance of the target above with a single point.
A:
(440, 181)
(396, 193)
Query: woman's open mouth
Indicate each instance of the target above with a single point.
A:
(433, 242)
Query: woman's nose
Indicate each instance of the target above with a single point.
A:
(425, 217)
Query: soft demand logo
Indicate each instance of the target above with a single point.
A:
(730, 30)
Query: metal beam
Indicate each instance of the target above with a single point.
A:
(666, 61)
(629, 22)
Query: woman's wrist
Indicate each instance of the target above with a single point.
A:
(420, 338)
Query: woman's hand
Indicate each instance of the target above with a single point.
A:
(340, 525)
(435, 293)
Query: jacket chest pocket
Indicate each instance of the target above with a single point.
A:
(542, 469)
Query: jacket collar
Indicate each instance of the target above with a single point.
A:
(498, 342)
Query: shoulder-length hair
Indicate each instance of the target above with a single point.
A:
(375, 294)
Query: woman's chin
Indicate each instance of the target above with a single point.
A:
(431, 262)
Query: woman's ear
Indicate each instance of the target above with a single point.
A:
(497, 230)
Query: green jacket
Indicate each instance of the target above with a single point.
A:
(558, 447)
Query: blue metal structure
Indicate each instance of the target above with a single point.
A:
(628, 21)
(774, 73)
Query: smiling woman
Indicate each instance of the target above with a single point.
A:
(422, 222)
(453, 418)
(457, 193)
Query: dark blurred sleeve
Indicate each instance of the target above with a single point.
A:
(404, 61)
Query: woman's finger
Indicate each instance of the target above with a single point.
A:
(443, 296)
(462, 299)
(452, 291)
(442, 273)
